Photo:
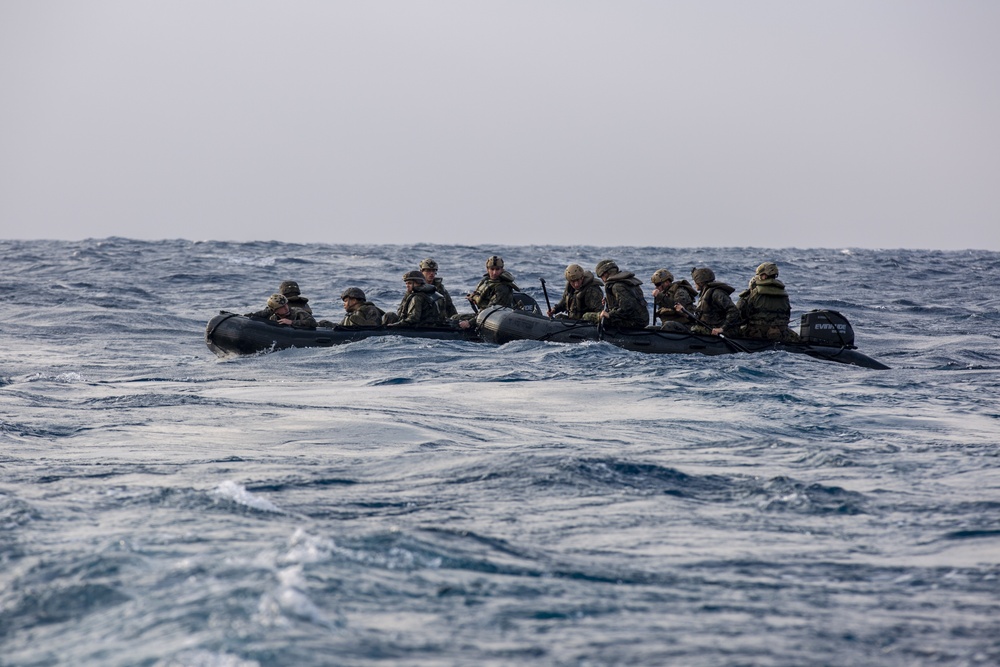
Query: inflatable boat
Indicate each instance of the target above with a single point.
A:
(230, 334)
(825, 334)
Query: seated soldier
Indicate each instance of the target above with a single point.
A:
(419, 307)
(429, 268)
(715, 310)
(626, 306)
(279, 311)
(764, 308)
(360, 311)
(496, 288)
(582, 296)
(290, 289)
(666, 294)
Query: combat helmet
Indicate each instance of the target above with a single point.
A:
(494, 262)
(703, 276)
(414, 276)
(353, 293)
(606, 266)
(428, 265)
(289, 288)
(574, 272)
(662, 276)
(276, 301)
(769, 269)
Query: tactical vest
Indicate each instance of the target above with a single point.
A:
(679, 292)
(766, 311)
(577, 300)
(498, 292)
(429, 312)
(437, 305)
(367, 315)
(300, 302)
(640, 317)
(448, 306)
(708, 311)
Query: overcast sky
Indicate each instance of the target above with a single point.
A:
(704, 123)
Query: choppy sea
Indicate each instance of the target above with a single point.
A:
(414, 502)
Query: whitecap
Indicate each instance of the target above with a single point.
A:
(67, 378)
(252, 261)
(289, 601)
(238, 494)
(306, 548)
(205, 659)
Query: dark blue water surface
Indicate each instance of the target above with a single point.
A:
(414, 502)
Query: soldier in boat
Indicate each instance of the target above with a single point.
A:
(496, 288)
(290, 289)
(764, 308)
(360, 311)
(715, 308)
(666, 294)
(279, 311)
(626, 306)
(429, 268)
(583, 298)
(420, 306)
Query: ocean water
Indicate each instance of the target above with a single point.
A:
(413, 502)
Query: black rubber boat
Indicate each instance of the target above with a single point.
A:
(826, 334)
(231, 334)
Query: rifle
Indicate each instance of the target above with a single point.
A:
(546, 293)
(731, 343)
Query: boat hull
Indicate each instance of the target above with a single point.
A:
(229, 334)
(502, 325)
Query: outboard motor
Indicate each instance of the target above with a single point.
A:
(524, 302)
(826, 327)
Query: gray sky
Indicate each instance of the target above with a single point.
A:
(706, 123)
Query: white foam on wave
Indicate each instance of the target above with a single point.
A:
(205, 659)
(242, 260)
(238, 493)
(306, 548)
(289, 601)
(68, 378)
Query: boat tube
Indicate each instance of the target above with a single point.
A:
(826, 334)
(230, 334)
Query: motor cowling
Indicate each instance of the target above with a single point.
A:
(826, 327)
(524, 302)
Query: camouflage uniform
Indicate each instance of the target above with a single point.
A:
(300, 302)
(676, 292)
(498, 292)
(290, 289)
(715, 308)
(576, 303)
(419, 308)
(447, 307)
(764, 310)
(300, 318)
(627, 307)
(367, 315)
